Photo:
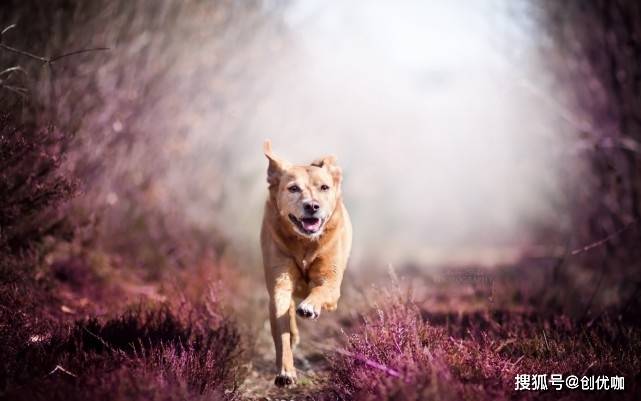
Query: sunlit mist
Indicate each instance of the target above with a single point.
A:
(434, 110)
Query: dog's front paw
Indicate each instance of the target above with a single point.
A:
(307, 310)
(285, 379)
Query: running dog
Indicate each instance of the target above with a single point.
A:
(306, 237)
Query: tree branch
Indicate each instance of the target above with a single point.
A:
(49, 60)
(45, 60)
(73, 53)
(604, 240)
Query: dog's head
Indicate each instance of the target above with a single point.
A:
(305, 196)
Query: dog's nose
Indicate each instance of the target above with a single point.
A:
(311, 207)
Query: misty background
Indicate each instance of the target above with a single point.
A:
(444, 116)
(436, 111)
(491, 153)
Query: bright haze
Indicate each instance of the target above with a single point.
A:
(438, 112)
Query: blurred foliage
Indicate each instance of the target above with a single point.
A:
(61, 255)
(108, 103)
(400, 351)
(112, 112)
(169, 353)
(33, 192)
(597, 47)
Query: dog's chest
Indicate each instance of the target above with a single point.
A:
(305, 260)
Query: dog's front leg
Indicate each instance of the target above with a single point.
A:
(279, 304)
(325, 290)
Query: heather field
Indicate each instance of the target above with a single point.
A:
(491, 164)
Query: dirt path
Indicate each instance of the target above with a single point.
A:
(316, 337)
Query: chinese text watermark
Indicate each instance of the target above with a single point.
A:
(555, 381)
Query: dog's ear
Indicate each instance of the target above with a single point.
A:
(329, 163)
(276, 165)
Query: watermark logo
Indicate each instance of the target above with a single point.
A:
(556, 381)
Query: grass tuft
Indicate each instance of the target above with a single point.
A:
(400, 352)
(151, 354)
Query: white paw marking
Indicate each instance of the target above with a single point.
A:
(307, 311)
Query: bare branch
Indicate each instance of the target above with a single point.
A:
(23, 53)
(49, 60)
(13, 69)
(602, 241)
(7, 29)
(12, 88)
(63, 370)
(95, 49)
(15, 89)
(45, 60)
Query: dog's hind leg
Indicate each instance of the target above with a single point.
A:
(293, 328)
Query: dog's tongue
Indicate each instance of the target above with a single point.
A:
(311, 224)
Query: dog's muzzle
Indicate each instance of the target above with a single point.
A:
(307, 225)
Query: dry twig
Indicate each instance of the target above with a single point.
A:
(63, 370)
(604, 240)
(44, 60)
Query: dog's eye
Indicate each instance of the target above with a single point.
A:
(294, 188)
(324, 187)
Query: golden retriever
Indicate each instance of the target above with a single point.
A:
(306, 237)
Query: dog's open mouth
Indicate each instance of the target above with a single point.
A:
(307, 225)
